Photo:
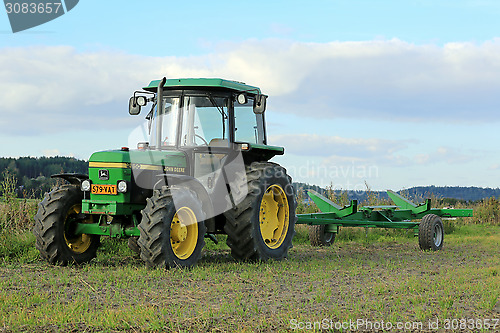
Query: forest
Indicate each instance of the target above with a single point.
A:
(32, 175)
(453, 194)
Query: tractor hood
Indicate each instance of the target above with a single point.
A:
(163, 161)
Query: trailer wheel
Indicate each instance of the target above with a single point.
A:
(318, 236)
(55, 221)
(172, 235)
(431, 233)
(262, 225)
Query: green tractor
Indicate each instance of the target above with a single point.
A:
(203, 170)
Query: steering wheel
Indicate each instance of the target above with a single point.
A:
(202, 139)
(196, 136)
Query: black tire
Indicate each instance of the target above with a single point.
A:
(55, 221)
(132, 244)
(250, 235)
(165, 241)
(318, 236)
(431, 233)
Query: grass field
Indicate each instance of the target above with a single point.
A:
(378, 278)
(367, 281)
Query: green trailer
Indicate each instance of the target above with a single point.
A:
(404, 214)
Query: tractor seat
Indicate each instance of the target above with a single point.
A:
(216, 142)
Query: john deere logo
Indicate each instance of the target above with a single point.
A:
(26, 14)
(104, 174)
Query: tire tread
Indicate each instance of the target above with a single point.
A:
(239, 227)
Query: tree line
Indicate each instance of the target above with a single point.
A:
(32, 174)
(452, 194)
(32, 178)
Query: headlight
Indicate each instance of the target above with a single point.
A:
(122, 186)
(142, 145)
(242, 99)
(85, 185)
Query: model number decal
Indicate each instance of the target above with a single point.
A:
(174, 169)
(166, 169)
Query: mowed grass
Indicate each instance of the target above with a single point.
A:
(378, 276)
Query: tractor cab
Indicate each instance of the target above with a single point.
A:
(204, 115)
(202, 133)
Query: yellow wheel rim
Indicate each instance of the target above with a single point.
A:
(79, 243)
(184, 233)
(274, 216)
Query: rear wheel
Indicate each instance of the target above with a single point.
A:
(262, 226)
(431, 233)
(55, 225)
(170, 235)
(318, 236)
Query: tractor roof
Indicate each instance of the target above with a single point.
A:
(204, 83)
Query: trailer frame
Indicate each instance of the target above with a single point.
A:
(403, 215)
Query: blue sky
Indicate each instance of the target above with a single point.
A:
(394, 93)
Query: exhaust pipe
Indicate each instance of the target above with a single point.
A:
(159, 107)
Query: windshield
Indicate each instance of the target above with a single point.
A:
(204, 121)
(163, 126)
(246, 123)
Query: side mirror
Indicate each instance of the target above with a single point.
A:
(133, 107)
(259, 104)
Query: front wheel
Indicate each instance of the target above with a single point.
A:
(431, 233)
(172, 229)
(55, 224)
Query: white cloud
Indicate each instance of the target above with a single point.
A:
(45, 89)
(51, 152)
(447, 155)
(349, 148)
(335, 150)
(494, 167)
